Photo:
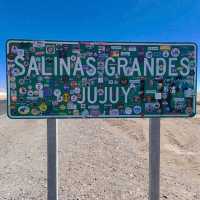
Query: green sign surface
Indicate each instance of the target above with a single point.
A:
(57, 79)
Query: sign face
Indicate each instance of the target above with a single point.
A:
(50, 79)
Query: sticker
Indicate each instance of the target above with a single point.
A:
(127, 53)
(74, 84)
(21, 81)
(179, 104)
(150, 107)
(11, 56)
(14, 49)
(100, 92)
(38, 44)
(23, 110)
(71, 106)
(188, 93)
(29, 87)
(91, 70)
(60, 99)
(14, 98)
(20, 52)
(38, 86)
(13, 85)
(100, 80)
(30, 93)
(40, 78)
(36, 93)
(55, 103)
(128, 111)
(156, 106)
(148, 98)
(165, 53)
(165, 47)
(62, 107)
(73, 58)
(39, 53)
(173, 90)
(175, 52)
(11, 65)
(85, 113)
(13, 93)
(22, 90)
(83, 106)
(41, 94)
(114, 53)
(66, 87)
(189, 110)
(132, 48)
(43, 107)
(158, 95)
(35, 111)
(94, 112)
(66, 97)
(124, 81)
(73, 98)
(32, 49)
(77, 90)
(150, 91)
(76, 112)
(116, 47)
(47, 91)
(149, 54)
(137, 109)
(50, 49)
(71, 92)
(57, 92)
(153, 48)
(110, 82)
(15, 71)
(164, 95)
(114, 112)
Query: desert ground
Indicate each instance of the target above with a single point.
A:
(99, 159)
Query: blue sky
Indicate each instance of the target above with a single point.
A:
(127, 20)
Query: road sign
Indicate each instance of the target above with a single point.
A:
(57, 79)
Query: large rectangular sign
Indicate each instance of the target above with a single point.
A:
(100, 79)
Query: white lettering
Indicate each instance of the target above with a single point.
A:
(92, 70)
(17, 58)
(66, 67)
(32, 66)
(78, 67)
(185, 66)
(148, 66)
(112, 68)
(172, 66)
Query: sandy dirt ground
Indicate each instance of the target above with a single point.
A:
(99, 159)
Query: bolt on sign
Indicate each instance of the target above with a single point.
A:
(100, 79)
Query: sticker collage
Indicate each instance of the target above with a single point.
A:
(100, 79)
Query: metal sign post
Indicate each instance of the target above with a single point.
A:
(154, 159)
(52, 159)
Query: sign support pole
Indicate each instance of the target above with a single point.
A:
(154, 159)
(52, 159)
